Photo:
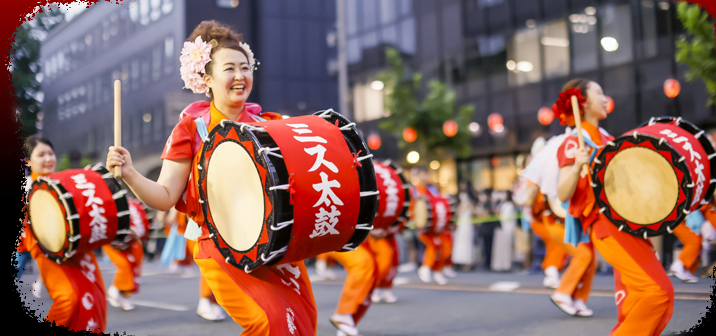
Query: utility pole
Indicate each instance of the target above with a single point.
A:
(342, 63)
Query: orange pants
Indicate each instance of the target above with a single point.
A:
(129, 266)
(66, 300)
(581, 270)
(204, 290)
(383, 256)
(361, 268)
(433, 244)
(555, 255)
(644, 294)
(235, 301)
(691, 253)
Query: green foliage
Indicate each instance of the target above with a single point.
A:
(698, 50)
(426, 117)
(85, 161)
(63, 163)
(25, 65)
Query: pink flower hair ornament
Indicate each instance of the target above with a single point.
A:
(195, 56)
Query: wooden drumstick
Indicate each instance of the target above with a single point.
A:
(117, 121)
(578, 122)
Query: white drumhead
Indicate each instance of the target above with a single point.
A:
(556, 206)
(48, 220)
(641, 185)
(235, 194)
(420, 213)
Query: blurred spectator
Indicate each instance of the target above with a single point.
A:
(463, 253)
(487, 228)
(504, 236)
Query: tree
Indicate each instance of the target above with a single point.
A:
(25, 67)
(428, 117)
(697, 51)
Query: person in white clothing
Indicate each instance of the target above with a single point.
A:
(463, 252)
(504, 236)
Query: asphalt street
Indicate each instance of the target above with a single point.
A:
(474, 303)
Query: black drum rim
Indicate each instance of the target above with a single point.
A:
(366, 176)
(404, 213)
(605, 208)
(244, 263)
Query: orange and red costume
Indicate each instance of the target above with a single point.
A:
(275, 300)
(644, 293)
(76, 288)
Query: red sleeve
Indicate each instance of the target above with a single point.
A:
(179, 144)
(567, 151)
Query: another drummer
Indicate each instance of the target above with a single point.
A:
(88, 312)
(217, 62)
(438, 247)
(644, 293)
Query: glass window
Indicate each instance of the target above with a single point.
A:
(481, 174)
(167, 6)
(351, 17)
(370, 40)
(168, 55)
(505, 173)
(353, 54)
(227, 3)
(389, 35)
(156, 10)
(367, 103)
(387, 11)
(407, 36)
(370, 14)
(583, 41)
(648, 20)
(406, 7)
(555, 43)
(616, 40)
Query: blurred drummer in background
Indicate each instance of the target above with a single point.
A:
(61, 280)
(644, 293)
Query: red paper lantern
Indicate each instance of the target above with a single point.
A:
(450, 128)
(495, 161)
(493, 120)
(672, 88)
(409, 134)
(610, 104)
(374, 141)
(545, 116)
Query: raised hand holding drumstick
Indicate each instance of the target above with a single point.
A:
(578, 124)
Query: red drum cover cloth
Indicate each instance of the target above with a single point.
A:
(391, 198)
(441, 214)
(324, 187)
(106, 211)
(138, 218)
(690, 148)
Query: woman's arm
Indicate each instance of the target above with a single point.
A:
(161, 195)
(569, 175)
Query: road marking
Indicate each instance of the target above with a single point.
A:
(159, 305)
(504, 286)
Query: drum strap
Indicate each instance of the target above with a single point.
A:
(573, 231)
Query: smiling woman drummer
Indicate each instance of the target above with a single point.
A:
(63, 281)
(217, 62)
(644, 293)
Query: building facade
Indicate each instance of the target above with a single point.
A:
(512, 57)
(140, 42)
